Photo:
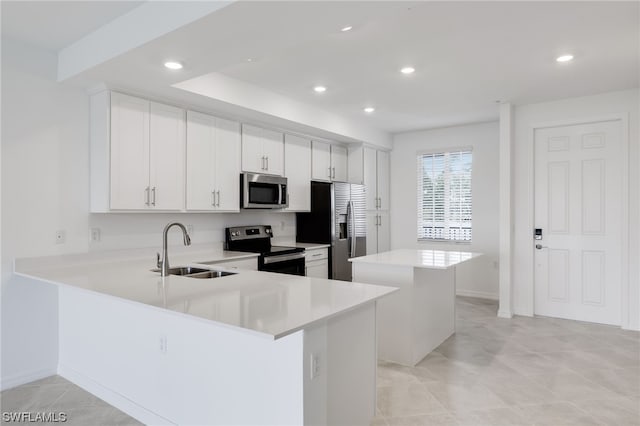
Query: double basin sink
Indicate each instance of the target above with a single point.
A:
(193, 272)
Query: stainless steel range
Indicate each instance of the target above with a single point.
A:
(257, 239)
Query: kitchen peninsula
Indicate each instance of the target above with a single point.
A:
(248, 348)
(421, 315)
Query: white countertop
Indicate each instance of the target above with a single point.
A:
(269, 304)
(428, 259)
(306, 246)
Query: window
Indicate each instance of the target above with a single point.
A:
(444, 195)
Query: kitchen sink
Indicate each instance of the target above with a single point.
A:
(192, 272)
(210, 274)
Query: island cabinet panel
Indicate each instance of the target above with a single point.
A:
(297, 169)
(166, 368)
(213, 163)
(137, 155)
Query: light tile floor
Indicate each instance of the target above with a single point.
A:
(522, 371)
(493, 371)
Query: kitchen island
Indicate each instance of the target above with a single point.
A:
(248, 348)
(421, 315)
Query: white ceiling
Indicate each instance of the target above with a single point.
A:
(54, 25)
(468, 55)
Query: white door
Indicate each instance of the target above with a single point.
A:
(227, 165)
(200, 161)
(129, 153)
(369, 177)
(578, 204)
(297, 169)
(320, 161)
(167, 160)
(372, 232)
(273, 148)
(383, 180)
(253, 158)
(384, 232)
(339, 163)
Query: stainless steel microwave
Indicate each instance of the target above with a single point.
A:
(258, 191)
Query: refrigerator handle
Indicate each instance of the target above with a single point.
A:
(352, 234)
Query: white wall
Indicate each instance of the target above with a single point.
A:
(478, 277)
(567, 110)
(45, 187)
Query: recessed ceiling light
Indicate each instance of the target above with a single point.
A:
(320, 89)
(249, 59)
(407, 70)
(173, 65)
(369, 110)
(347, 28)
(564, 58)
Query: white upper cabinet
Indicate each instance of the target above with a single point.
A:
(329, 162)
(321, 161)
(130, 187)
(371, 168)
(227, 165)
(213, 163)
(262, 150)
(338, 163)
(370, 177)
(146, 155)
(166, 165)
(297, 169)
(382, 180)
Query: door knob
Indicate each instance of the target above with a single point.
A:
(540, 246)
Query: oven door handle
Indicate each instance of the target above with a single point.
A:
(283, 258)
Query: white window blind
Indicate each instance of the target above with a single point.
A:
(444, 195)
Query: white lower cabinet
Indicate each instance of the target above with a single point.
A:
(378, 232)
(317, 263)
(213, 163)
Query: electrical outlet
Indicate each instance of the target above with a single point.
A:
(282, 225)
(315, 366)
(95, 234)
(61, 236)
(163, 345)
(190, 229)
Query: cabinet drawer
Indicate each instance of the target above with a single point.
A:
(316, 254)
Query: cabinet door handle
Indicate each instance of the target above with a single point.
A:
(262, 163)
(267, 157)
(153, 192)
(334, 172)
(213, 198)
(329, 172)
(218, 194)
(146, 195)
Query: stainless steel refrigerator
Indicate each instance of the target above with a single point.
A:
(337, 217)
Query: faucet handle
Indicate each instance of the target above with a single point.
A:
(158, 262)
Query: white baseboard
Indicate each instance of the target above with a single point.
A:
(21, 379)
(119, 401)
(505, 314)
(478, 294)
